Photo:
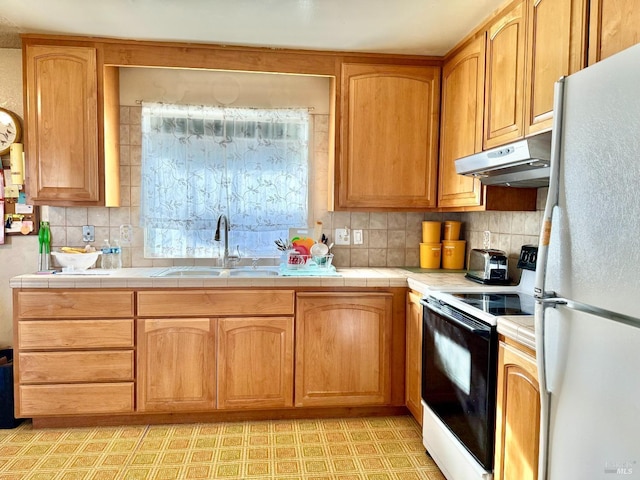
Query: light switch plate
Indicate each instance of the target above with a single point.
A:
(357, 237)
(88, 233)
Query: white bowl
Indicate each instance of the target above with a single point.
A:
(76, 261)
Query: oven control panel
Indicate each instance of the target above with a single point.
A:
(528, 257)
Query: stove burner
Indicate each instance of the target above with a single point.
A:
(499, 304)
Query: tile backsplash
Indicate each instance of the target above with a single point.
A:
(389, 239)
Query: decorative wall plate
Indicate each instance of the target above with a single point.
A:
(10, 130)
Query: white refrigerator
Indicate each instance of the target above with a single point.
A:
(588, 278)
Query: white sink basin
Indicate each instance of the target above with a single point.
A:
(252, 272)
(209, 272)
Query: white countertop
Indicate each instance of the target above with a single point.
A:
(520, 328)
(144, 278)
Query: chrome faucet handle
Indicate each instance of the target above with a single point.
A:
(234, 259)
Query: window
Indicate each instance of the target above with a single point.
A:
(199, 162)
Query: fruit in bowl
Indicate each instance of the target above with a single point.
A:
(76, 258)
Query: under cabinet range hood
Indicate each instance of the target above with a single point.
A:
(524, 163)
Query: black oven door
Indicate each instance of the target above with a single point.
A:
(459, 368)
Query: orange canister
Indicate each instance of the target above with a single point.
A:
(453, 254)
(452, 230)
(430, 254)
(431, 232)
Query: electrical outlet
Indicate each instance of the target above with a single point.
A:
(88, 233)
(342, 236)
(126, 234)
(357, 237)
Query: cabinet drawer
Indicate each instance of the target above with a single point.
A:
(78, 399)
(39, 334)
(69, 304)
(70, 367)
(214, 303)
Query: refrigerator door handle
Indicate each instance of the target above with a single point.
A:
(553, 192)
(545, 396)
(552, 301)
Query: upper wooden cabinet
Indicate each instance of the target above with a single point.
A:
(528, 49)
(516, 62)
(461, 123)
(389, 136)
(556, 39)
(66, 100)
(504, 85)
(614, 25)
(461, 135)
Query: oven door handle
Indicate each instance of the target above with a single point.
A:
(468, 323)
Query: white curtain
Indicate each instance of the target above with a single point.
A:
(199, 162)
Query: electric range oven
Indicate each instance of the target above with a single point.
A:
(459, 372)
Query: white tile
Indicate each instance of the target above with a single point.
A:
(125, 155)
(135, 155)
(124, 114)
(119, 216)
(378, 220)
(124, 135)
(98, 216)
(518, 220)
(57, 216)
(76, 216)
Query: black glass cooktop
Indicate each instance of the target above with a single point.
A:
(499, 304)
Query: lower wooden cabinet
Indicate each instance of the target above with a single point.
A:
(343, 349)
(207, 351)
(255, 362)
(518, 414)
(176, 364)
(74, 355)
(76, 399)
(413, 365)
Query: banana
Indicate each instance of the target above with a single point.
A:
(73, 250)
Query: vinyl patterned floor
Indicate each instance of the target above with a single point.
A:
(380, 448)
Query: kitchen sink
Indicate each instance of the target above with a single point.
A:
(252, 272)
(209, 272)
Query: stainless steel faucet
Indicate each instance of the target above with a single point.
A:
(227, 259)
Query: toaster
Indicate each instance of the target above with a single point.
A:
(488, 266)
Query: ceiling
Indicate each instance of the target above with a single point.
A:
(420, 27)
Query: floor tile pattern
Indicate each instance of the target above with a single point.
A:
(377, 448)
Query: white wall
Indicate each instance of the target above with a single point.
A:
(19, 253)
(238, 89)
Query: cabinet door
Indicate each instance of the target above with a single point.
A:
(176, 364)
(556, 47)
(255, 362)
(517, 417)
(413, 379)
(461, 123)
(62, 124)
(614, 25)
(389, 136)
(343, 347)
(505, 78)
